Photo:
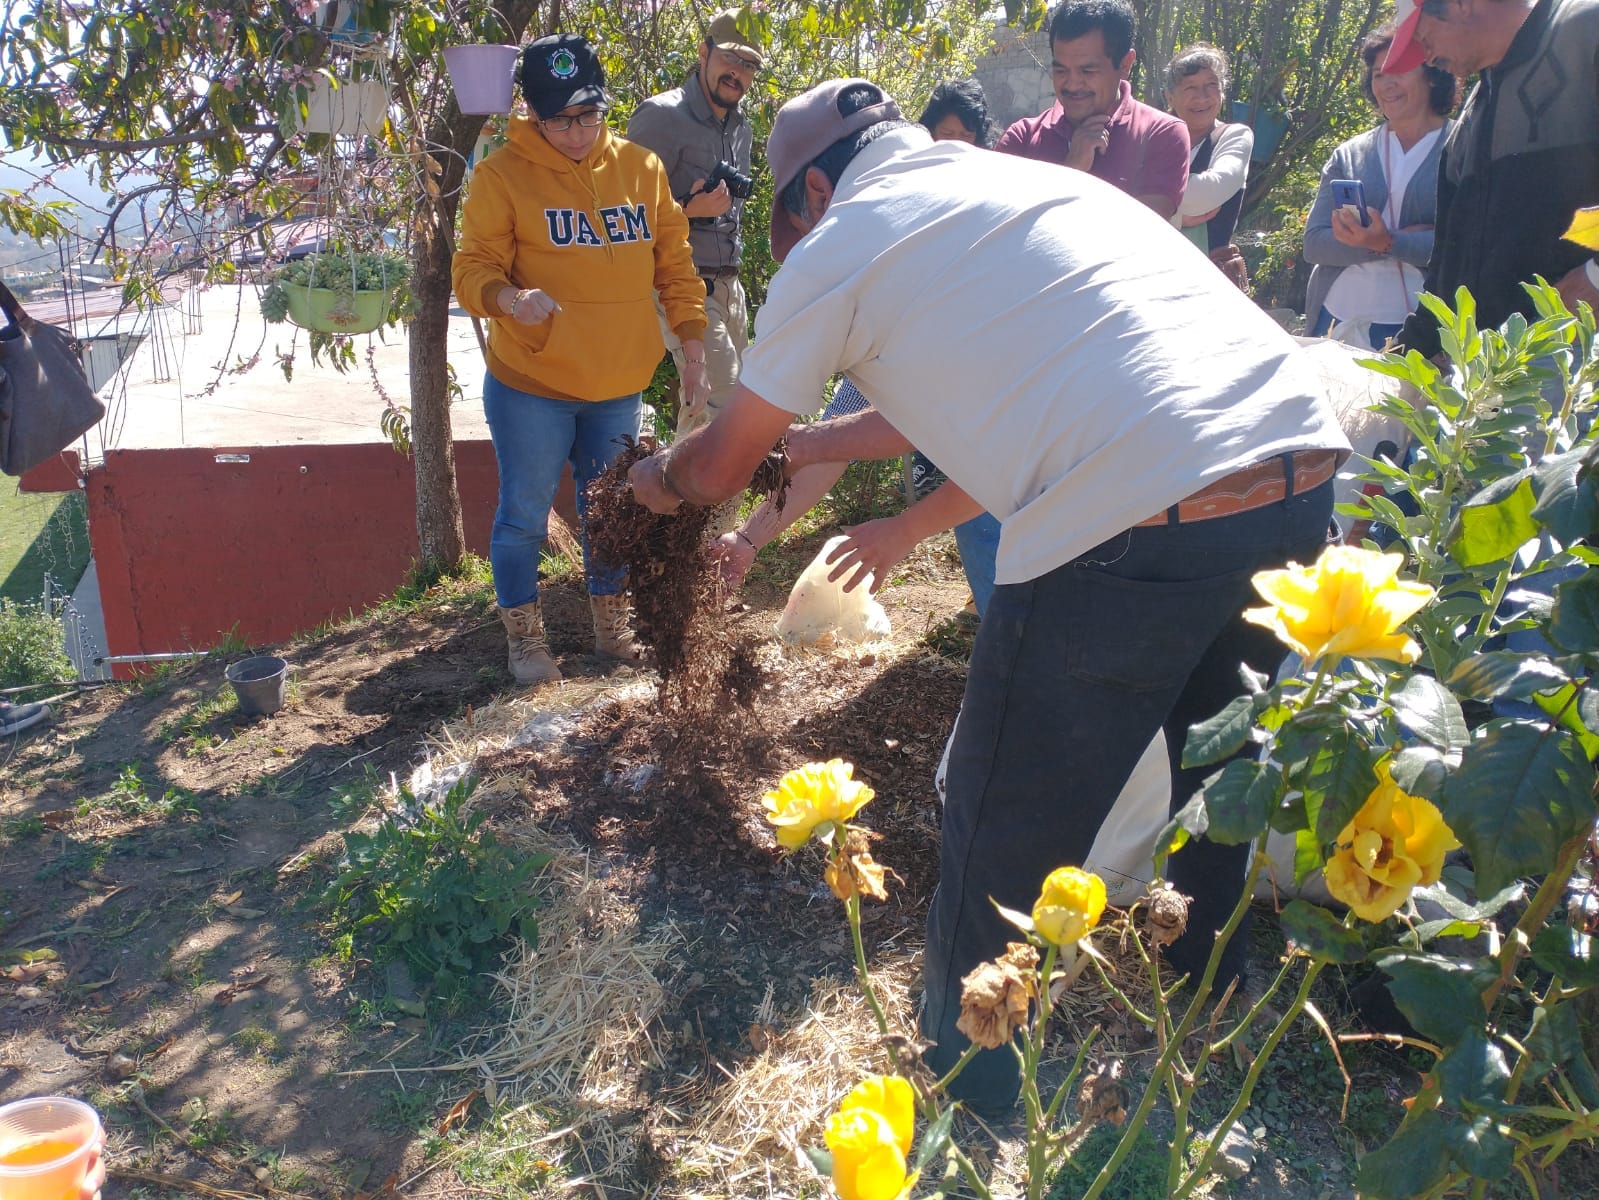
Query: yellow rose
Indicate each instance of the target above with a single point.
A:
(870, 1135)
(1069, 905)
(1349, 602)
(814, 795)
(1396, 842)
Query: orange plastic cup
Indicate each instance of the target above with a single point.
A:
(44, 1147)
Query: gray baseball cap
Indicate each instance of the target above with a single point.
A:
(805, 126)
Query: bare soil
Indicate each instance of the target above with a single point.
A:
(163, 853)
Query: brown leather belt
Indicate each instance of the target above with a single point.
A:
(1250, 488)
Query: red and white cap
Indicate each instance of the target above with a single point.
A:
(1404, 52)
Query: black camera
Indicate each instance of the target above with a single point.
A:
(738, 186)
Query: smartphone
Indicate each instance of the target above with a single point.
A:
(1351, 193)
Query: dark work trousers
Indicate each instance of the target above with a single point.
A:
(1071, 676)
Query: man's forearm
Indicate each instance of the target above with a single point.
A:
(945, 508)
(844, 439)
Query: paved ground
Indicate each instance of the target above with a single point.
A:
(206, 373)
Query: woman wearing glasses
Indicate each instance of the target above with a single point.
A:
(567, 235)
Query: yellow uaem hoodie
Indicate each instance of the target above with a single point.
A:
(601, 237)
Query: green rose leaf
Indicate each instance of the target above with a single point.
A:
(1556, 1041)
(934, 1142)
(1459, 909)
(1240, 800)
(1567, 713)
(1473, 1074)
(1496, 523)
(1430, 711)
(1505, 673)
(1222, 736)
(1481, 1145)
(1413, 1160)
(1342, 772)
(1320, 934)
(1308, 857)
(1519, 793)
(821, 1159)
(1420, 771)
(1568, 506)
(1569, 953)
(1441, 997)
(1575, 623)
(1190, 821)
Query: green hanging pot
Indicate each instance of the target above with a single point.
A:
(327, 311)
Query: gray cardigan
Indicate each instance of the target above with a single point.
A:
(1361, 158)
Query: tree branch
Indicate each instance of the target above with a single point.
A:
(112, 146)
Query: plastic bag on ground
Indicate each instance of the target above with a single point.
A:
(820, 612)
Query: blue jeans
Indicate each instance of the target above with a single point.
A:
(978, 543)
(1071, 676)
(534, 438)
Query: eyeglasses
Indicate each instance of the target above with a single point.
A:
(588, 120)
(738, 60)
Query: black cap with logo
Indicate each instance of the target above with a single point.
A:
(561, 71)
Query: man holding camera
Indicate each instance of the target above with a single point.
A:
(703, 140)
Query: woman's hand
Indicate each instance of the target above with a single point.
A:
(529, 306)
(735, 555)
(696, 380)
(1375, 237)
(875, 548)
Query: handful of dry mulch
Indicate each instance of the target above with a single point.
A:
(676, 591)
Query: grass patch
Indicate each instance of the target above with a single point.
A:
(426, 588)
(258, 1040)
(201, 728)
(40, 533)
(128, 797)
(1142, 1175)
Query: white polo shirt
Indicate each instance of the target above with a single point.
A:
(1058, 349)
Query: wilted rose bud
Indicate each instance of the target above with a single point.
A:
(853, 872)
(995, 996)
(1165, 915)
(1103, 1096)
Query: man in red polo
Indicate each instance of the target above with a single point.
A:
(1095, 125)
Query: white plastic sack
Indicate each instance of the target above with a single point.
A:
(820, 611)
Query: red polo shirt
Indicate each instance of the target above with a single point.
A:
(1147, 154)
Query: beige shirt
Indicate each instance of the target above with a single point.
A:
(1058, 349)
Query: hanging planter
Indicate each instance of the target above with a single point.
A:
(339, 21)
(484, 77)
(356, 108)
(336, 293)
(327, 311)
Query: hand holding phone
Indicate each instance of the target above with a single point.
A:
(1350, 194)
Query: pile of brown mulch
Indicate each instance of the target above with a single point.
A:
(710, 677)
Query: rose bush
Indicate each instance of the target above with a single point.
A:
(1447, 699)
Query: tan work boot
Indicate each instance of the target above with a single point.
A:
(530, 659)
(613, 635)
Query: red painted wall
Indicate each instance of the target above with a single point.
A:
(188, 548)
